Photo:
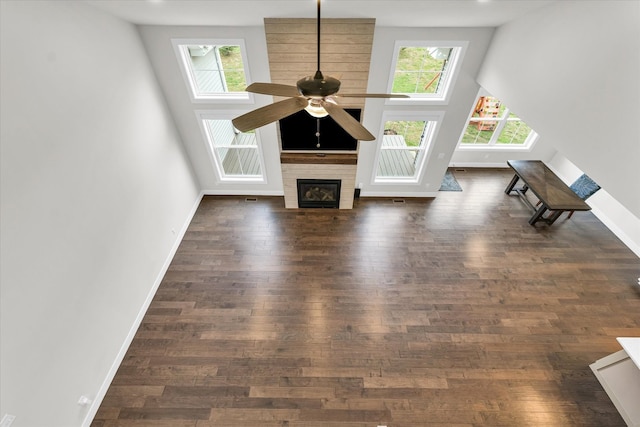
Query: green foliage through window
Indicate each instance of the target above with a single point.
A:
(492, 124)
(420, 70)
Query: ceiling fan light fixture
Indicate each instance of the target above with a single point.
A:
(315, 109)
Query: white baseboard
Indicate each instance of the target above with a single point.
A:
(478, 165)
(95, 405)
(615, 229)
(251, 193)
(399, 194)
(621, 222)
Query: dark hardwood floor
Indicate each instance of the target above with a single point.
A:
(451, 311)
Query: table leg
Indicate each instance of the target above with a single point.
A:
(552, 218)
(538, 215)
(512, 184)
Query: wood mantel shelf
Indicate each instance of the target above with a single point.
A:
(319, 158)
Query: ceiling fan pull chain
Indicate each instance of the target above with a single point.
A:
(318, 132)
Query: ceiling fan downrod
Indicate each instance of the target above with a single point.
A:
(318, 86)
(318, 72)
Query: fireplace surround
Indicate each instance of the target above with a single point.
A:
(320, 166)
(319, 193)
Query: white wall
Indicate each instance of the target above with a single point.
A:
(570, 70)
(94, 180)
(607, 209)
(157, 40)
(158, 43)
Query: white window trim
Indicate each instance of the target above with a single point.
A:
(492, 145)
(459, 50)
(179, 47)
(434, 117)
(213, 155)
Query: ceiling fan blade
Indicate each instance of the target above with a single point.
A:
(268, 114)
(273, 89)
(373, 95)
(347, 122)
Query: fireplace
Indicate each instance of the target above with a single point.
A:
(319, 193)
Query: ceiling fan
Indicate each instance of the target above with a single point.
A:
(316, 94)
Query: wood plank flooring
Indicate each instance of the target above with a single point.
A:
(451, 311)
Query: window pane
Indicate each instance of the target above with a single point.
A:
(492, 124)
(474, 134)
(401, 145)
(420, 69)
(488, 106)
(216, 69)
(514, 132)
(428, 82)
(231, 59)
(410, 132)
(405, 82)
(236, 152)
(396, 163)
(241, 161)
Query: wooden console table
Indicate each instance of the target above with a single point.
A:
(554, 195)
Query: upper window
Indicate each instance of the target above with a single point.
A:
(404, 147)
(214, 71)
(425, 70)
(493, 125)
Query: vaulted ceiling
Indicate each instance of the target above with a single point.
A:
(396, 13)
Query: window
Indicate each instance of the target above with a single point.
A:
(425, 70)
(493, 125)
(403, 148)
(214, 71)
(235, 153)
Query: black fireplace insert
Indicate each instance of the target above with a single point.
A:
(319, 193)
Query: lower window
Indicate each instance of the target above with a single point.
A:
(403, 148)
(235, 153)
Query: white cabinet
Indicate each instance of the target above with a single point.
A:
(619, 374)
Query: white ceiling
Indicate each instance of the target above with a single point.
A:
(396, 13)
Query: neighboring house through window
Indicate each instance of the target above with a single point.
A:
(215, 72)
(214, 69)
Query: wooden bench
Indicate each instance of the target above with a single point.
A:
(554, 195)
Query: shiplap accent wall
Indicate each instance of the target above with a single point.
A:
(345, 53)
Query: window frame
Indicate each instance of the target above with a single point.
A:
(501, 122)
(180, 47)
(458, 47)
(217, 162)
(434, 121)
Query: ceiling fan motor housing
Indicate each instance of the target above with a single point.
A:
(318, 86)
